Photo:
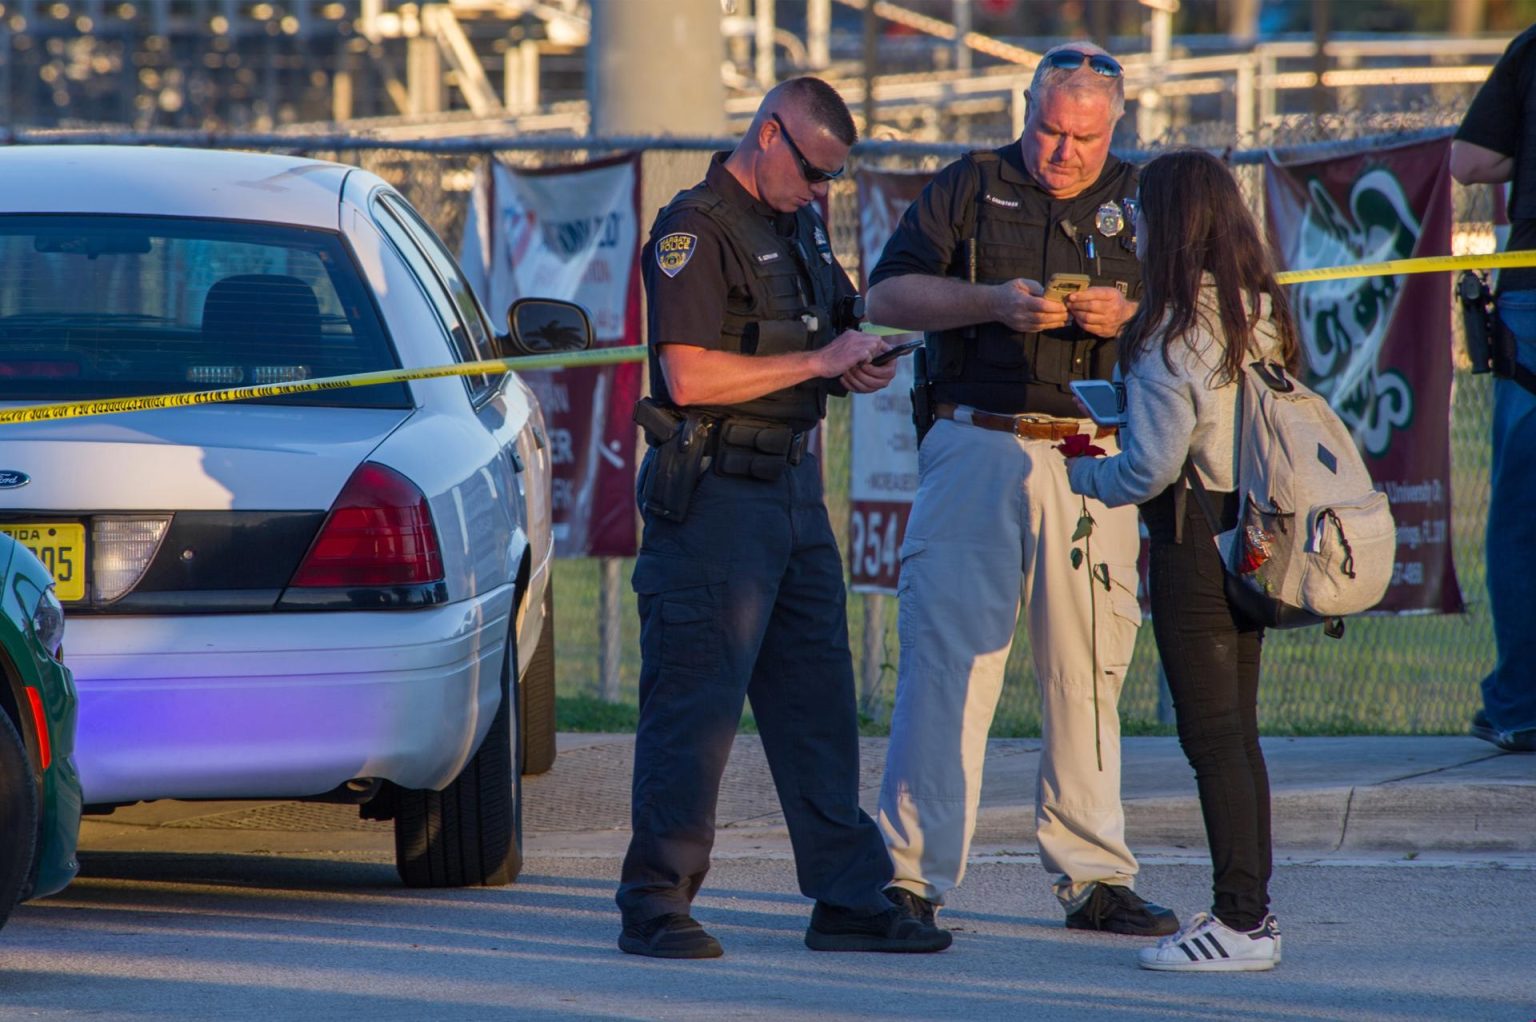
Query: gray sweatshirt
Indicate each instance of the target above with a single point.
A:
(1171, 413)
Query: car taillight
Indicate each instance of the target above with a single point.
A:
(379, 533)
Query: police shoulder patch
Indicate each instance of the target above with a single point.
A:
(674, 250)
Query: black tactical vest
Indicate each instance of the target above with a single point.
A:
(1019, 231)
(791, 289)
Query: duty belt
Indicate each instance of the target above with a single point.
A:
(1026, 426)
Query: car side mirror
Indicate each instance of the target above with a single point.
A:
(545, 326)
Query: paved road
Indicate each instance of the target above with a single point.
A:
(1406, 889)
(243, 937)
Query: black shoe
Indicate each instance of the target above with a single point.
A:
(1509, 741)
(837, 929)
(915, 905)
(673, 935)
(1116, 909)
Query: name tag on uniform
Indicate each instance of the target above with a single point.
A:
(766, 257)
(1005, 203)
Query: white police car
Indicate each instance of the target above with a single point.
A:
(340, 595)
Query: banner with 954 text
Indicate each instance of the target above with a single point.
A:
(883, 460)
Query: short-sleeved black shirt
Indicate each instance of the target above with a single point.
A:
(1502, 118)
(931, 231)
(687, 298)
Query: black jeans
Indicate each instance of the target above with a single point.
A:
(1211, 656)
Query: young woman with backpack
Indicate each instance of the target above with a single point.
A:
(1210, 303)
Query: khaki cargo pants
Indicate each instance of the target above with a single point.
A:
(993, 521)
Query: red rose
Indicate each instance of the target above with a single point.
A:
(1079, 444)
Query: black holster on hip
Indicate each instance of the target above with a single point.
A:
(1491, 346)
(682, 442)
(922, 395)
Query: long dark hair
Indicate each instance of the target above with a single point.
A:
(1197, 222)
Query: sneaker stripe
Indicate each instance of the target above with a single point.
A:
(1217, 945)
(1184, 947)
(1200, 945)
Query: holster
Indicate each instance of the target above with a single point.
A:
(922, 395)
(682, 442)
(1481, 323)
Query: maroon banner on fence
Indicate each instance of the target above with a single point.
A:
(1380, 347)
(883, 458)
(572, 232)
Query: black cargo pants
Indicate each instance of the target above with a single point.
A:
(744, 600)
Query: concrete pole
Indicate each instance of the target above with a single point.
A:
(653, 68)
(424, 75)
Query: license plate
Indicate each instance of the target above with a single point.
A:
(61, 548)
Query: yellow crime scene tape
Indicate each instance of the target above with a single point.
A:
(632, 352)
(189, 399)
(1397, 267)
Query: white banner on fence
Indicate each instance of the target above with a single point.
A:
(572, 233)
(559, 233)
(883, 462)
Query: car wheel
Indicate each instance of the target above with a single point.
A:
(470, 833)
(536, 692)
(18, 816)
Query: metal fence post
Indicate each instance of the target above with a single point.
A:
(608, 650)
(874, 653)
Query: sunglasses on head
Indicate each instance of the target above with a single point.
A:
(813, 174)
(1098, 63)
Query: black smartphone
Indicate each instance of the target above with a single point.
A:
(1105, 401)
(892, 354)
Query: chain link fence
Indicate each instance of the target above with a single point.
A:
(1390, 674)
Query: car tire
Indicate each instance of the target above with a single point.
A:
(470, 834)
(536, 694)
(19, 818)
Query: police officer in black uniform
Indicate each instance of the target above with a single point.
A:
(1497, 143)
(739, 580)
(972, 262)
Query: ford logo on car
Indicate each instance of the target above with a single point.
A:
(10, 479)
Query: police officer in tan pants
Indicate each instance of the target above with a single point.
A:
(994, 520)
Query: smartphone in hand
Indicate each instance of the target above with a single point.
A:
(1105, 401)
(892, 354)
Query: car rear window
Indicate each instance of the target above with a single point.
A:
(99, 306)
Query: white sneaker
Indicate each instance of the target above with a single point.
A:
(1207, 945)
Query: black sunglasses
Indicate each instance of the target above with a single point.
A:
(813, 174)
(1071, 60)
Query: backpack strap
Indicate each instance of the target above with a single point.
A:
(1195, 483)
(1202, 497)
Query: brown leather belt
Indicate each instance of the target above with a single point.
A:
(1029, 427)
